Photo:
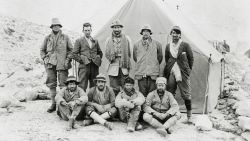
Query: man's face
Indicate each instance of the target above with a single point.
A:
(56, 28)
(161, 87)
(100, 85)
(72, 86)
(145, 34)
(87, 31)
(175, 36)
(117, 30)
(128, 86)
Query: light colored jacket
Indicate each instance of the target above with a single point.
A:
(166, 104)
(78, 94)
(55, 50)
(147, 59)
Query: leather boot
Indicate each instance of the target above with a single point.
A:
(160, 129)
(71, 124)
(100, 120)
(169, 123)
(52, 108)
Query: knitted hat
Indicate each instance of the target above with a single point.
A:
(100, 77)
(146, 27)
(71, 79)
(162, 80)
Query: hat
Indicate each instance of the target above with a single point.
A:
(161, 80)
(55, 21)
(100, 77)
(71, 79)
(129, 80)
(116, 23)
(176, 29)
(146, 27)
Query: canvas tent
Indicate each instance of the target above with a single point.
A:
(205, 77)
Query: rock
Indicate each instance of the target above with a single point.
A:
(231, 102)
(27, 94)
(239, 95)
(203, 123)
(242, 108)
(246, 136)
(244, 123)
(9, 31)
(246, 78)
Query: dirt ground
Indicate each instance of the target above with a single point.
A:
(33, 123)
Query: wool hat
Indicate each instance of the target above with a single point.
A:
(100, 77)
(161, 80)
(116, 23)
(71, 79)
(129, 80)
(55, 21)
(146, 27)
(176, 29)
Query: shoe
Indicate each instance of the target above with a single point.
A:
(109, 125)
(52, 108)
(161, 131)
(138, 127)
(71, 124)
(87, 122)
(76, 126)
(169, 131)
(130, 129)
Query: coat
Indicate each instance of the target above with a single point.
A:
(166, 104)
(83, 54)
(56, 52)
(64, 95)
(147, 60)
(184, 59)
(124, 100)
(109, 96)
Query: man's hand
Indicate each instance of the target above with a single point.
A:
(107, 107)
(99, 108)
(78, 102)
(64, 103)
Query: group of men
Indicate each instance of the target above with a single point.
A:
(154, 101)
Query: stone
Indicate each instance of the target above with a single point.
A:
(203, 123)
(242, 108)
(246, 136)
(244, 123)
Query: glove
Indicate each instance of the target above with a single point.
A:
(72, 104)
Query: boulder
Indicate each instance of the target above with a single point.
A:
(246, 136)
(244, 123)
(242, 108)
(239, 95)
(203, 123)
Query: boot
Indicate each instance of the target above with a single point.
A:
(105, 115)
(138, 126)
(189, 116)
(71, 124)
(52, 108)
(109, 125)
(169, 123)
(87, 122)
(188, 104)
(160, 129)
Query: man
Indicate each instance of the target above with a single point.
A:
(88, 53)
(129, 102)
(161, 109)
(101, 104)
(55, 52)
(118, 54)
(179, 63)
(147, 54)
(71, 100)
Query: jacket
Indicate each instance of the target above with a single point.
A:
(83, 54)
(166, 104)
(184, 59)
(56, 51)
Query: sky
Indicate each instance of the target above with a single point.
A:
(217, 19)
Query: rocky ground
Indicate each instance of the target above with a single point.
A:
(22, 76)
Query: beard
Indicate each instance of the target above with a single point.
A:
(117, 32)
(160, 91)
(72, 89)
(100, 88)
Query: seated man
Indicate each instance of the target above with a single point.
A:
(129, 102)
(101, 104)
(70, 101)
(161, 109)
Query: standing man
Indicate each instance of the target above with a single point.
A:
(118, 54)
(129, 102)
(55, 52)
(71, 100)
(179, 63)
(147, 54)
(161, 109)
(101, 104)
(88, 53)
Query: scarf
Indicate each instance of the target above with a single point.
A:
(174, 48)
(118, 45)
(146, 42)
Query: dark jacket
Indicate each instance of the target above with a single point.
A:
(184, 59)
(83, 54)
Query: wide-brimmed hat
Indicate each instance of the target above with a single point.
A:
(71, 79)
(100, 77)
(55, 21)
(176, 28)
(116, 23)
(162, 80)
(146, 27)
